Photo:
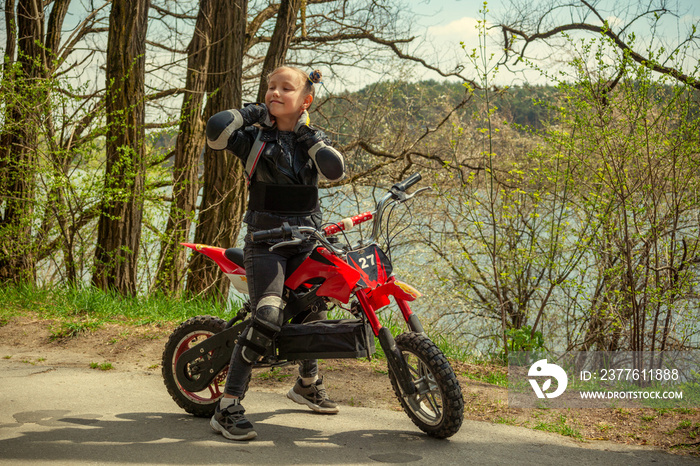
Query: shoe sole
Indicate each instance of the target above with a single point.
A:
(216, 427)
(295, 397)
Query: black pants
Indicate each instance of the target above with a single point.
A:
(266, 272)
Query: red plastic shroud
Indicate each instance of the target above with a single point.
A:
(341, 279)
(217, 255)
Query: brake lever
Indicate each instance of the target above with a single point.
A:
(294, 242)
(410, 196)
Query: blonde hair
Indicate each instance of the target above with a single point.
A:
(309, 79)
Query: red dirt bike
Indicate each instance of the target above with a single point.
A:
(357, 279)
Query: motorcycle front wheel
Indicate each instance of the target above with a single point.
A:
(186, 335)
(437, 407)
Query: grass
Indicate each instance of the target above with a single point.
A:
(494, 378)
(685, 424)
(559, 426)
(274, 373)
(603, 427)
(80, 309)
(72, 329)
(105, 366)
(510, 421)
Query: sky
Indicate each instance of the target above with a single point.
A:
(448, 22)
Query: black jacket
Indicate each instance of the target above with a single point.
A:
(277, 187)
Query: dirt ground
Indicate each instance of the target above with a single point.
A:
(354, 383)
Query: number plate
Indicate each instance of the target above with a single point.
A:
(373, 265)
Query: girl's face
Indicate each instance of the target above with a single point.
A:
(286, 96)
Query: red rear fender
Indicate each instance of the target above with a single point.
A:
(217, 255)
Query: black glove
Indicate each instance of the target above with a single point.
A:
(221, 126)
(256, 113)
(329, 162)
(302, 126)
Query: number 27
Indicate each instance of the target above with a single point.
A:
(364, 260)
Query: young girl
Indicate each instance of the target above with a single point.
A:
(283, 156)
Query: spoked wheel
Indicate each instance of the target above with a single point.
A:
(187, 335)
(438, 407)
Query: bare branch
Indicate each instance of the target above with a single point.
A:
(390, 44)
(511, 31)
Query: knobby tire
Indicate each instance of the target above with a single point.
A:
(186, 335)
(440, 411)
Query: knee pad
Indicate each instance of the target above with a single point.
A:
(257, 338)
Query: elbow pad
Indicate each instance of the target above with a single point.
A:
(221, 126)
(329, 162)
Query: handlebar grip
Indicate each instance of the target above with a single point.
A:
(347, 223)
(266, 235)
(408, 182)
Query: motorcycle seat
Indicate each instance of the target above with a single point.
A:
(235, 255)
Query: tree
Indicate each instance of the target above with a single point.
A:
(224, 191)
(119, 228)
(285, 27)
(636, 157)
(27, 90)
(188, 146)
(623, 139)
(581, 227)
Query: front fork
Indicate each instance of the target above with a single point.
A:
(393, 354)
(410, 318)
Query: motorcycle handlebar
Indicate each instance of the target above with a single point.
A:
(275, 233)
(286, 231)
(408, 182)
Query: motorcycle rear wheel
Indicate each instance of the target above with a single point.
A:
(186, 335)
(438, 407)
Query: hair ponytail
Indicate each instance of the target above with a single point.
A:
(315, 77)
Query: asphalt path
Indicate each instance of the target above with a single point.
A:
(63, 415)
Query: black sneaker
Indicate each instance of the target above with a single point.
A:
(314, 396)
(231, 423)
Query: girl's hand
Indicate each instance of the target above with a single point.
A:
(329, 162)
(302, 123)
(258, 113)
(222, 126)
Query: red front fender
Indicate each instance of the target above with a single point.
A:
(379, 297)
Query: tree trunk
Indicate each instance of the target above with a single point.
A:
(119, 227)
(11, 34)
(53, 30)
(19, 141)
(224, 194)
(190, 141)
(279, 44)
